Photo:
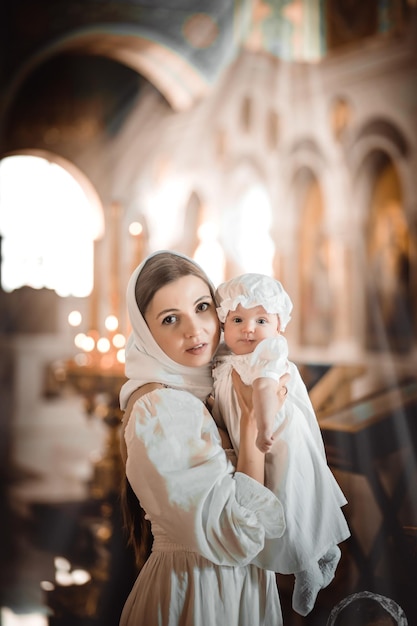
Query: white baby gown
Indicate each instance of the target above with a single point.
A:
(209, 523)
(296, 468)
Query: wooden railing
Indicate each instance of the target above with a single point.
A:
(334, 389)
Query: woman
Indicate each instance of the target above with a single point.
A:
(208, 521)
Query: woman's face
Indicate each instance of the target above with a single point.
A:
(183, 321)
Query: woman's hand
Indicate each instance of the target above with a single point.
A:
(243, 394)
(282, 390)
(250, 460)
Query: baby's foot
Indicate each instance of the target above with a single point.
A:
(328, 564)
(307, 585)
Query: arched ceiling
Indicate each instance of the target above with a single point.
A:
(180, 47)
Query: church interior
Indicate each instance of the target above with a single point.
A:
(273, 136)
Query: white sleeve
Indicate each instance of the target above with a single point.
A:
(186, 485)
(270, 358)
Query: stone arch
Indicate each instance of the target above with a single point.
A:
(83, 180)
(380, 136)
(85, 183)
(181, 51)
(306, 222)
(307, 148)
(385, 244)
(68, 223)
(315, 298)
(164, 67)
(384, 130)
(389, 312)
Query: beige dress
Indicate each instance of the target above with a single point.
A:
(208, 521)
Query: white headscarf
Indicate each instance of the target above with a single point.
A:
(250, 290)
(146, 362)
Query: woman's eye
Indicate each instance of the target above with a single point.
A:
(169, 319)
(203, 306)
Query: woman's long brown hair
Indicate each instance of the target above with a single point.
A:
(158, 271)
(138, 529)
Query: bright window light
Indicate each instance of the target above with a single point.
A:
(246, 231)
(48, 226)
(8, 618)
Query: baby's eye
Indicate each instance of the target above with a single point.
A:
(262, 321)
(203, 306)
(236, 320)
(169, 319)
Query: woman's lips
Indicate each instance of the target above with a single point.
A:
(199, 348)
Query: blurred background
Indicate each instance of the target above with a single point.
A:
(275, 136)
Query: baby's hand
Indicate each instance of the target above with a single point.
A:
(264, 442)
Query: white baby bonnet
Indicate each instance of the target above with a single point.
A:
(252, 290)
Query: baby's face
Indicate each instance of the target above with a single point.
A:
(245, 328)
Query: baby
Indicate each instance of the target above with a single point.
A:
(254, 310)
